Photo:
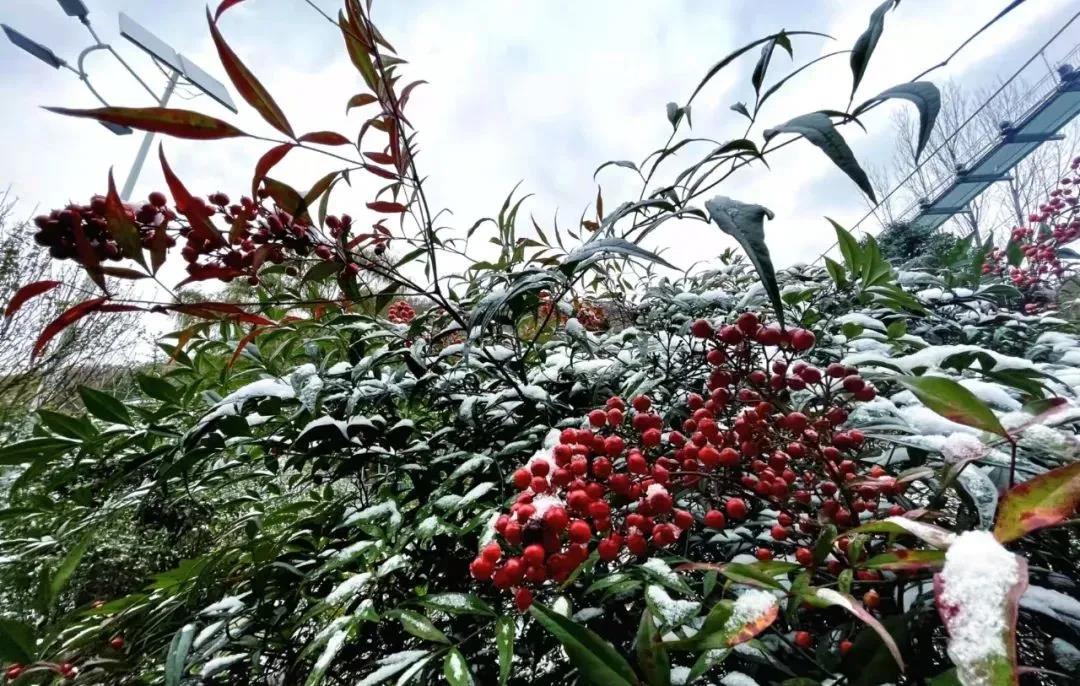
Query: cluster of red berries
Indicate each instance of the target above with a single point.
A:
(767, 435)
(1056, 224)
(62, 231)
(592, 316)
(64, 669)
(401, 312)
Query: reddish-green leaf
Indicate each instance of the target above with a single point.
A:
(225, 4)
(358, 52)
(121, 227)
(1046, 500)
(360, 100)
(266, 163)
(188, 206)
(88, 258)
(380, 172)
(66, 319)
(218, 310)
(906, 560)
(247, 85)
(179, 123)
(954, 402)
(27, 292)
(386, 207)
(928, 533)
(248, 338)
(123, 273)
(286, 197)
(159, 247)
(325, 138)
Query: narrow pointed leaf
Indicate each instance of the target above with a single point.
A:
(867, 41)
(596, 660)
(173, 122)
(745, 223)
(121, 227)
(817, 128)
(246, 84)
(924, 95)
(504, 642)
(66, 319)
(186, 204)
(835, 598)
(24, 294)
(267, 162)
(325, 138)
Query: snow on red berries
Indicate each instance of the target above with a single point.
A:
(764, 434)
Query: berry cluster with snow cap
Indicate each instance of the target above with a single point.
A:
(767, 435)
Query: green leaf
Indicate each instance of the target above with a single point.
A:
(828, 597)
(33, 449)
(746, 223)
(420, 626)
(820, 131)
(67, 426)
(177, 655)
(456, 669)
(613, 246)
(595, 659)
(954, 402)
(458, 603)
(104, 406)
(865, 44)
(157, 388)
(926, 98)
(504, 643)
(651, 655)
(68, 565)
(16, 641)
(758, 75)
(1045, 500)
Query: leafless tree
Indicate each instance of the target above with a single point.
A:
(98, 351)
(1004, 204)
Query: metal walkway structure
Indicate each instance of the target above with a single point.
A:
(1041, 123)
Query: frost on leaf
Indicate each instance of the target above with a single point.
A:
(977, 593)
(752, 613)
(672, 611)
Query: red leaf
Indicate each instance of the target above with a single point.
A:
(205, 273)
(379, 157)
(28, 291)
(123, 273)
(360, 100)
(255, 331)
(66, 319)
(212, 310)
(407, 92)
(88, 258)
(247, 85)
(121, 227)
(387, 207)
(179, 123)
(159, 246)
(380, 172)
(325, 138)
(188, 206)
(226, 4)
(266, 163)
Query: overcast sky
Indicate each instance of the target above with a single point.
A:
(540, 92)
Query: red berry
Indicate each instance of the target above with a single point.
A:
(763, 554)
(522, 478)
(651, 438)
(522, 599)
(701, 329)
(615, 403)
(579, 531)
(613, 445)
(14, 672)
(804, 556)
(736, 508)
(803, 639)
(853, 383)
(534, 554)
(714, 519)
(158, 199)
(598, 418)
(556, 519)
(492, 552)
(779, 533)
(481, 568)
(641, 403)
(117, 643)
(802, 340)
(748, 322)
(615, 416)
(683, 519)
(608, 549)
(845, 646)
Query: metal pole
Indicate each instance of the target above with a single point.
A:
(144, 149)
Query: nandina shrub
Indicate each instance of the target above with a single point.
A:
(331, 482)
